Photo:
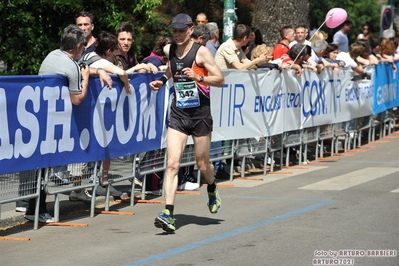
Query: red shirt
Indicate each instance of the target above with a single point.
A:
(280, 49)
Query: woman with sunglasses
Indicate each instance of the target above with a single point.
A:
(366, 33)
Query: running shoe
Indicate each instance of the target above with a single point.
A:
(165, 221)
(214, 201)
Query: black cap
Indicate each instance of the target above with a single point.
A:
(181, 21)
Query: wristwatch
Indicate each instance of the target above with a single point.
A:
(201, 79)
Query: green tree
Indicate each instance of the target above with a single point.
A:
(359, 13)
(31, 28)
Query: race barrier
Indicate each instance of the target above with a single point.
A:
(257, 114)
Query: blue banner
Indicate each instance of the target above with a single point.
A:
(386, 88)
(40, 127)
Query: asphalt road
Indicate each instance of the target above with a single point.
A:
(342, 212)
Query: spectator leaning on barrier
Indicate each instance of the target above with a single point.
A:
(106, 45)
(388, 50)
(190, 114)
(59, 62)
(367, 58)
(231, 56)
(318, 46)
(294, 58)
(124, 56)
(63, 61)
(157, 56)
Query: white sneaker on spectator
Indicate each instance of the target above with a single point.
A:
(83, 195)
(43, 218)
(188, 186)
(102, 191)
(20, 209)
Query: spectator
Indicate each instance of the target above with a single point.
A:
(287, 35)
(320, 35)
(300, 36)
(201, 34)
(355, 51)
(318, 47)
(330, 55)
(231, 56)
(157, 56)
(78, 92)
(124, 57)
(106, 45)
(62, 61)
(263, 49)
(367, 58)
(84, 20)
(341, 37)
(388, 52)
(201, 19)
(211, 44)
(294, 58)
(190, 63)
(366, 33)
(216, 146)
(395, 41)
(255, 39)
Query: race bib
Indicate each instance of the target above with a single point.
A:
(187, 94)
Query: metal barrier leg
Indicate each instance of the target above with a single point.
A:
(57, 207)
(300, 154)
(322, 148)
(272, 164)
(243, 167)
(143, 187)
(37, 207)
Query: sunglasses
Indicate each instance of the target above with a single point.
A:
(84, 14)
(365, 28)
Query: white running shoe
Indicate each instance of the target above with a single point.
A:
(20, 209)
(188, 186)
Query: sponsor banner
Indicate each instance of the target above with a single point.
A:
(325, 98)
(248, 105)
(42, 128)
(386, 88)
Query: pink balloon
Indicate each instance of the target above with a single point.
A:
(335, 17)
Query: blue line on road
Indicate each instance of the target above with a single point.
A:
(179, 250)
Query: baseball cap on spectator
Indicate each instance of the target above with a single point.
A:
(181, 21)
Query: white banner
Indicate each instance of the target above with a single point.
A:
(248, 105)
(267, 102)
(327, 98)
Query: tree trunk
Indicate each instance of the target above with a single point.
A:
(271, 15)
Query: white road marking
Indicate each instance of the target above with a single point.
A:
(351, 179)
